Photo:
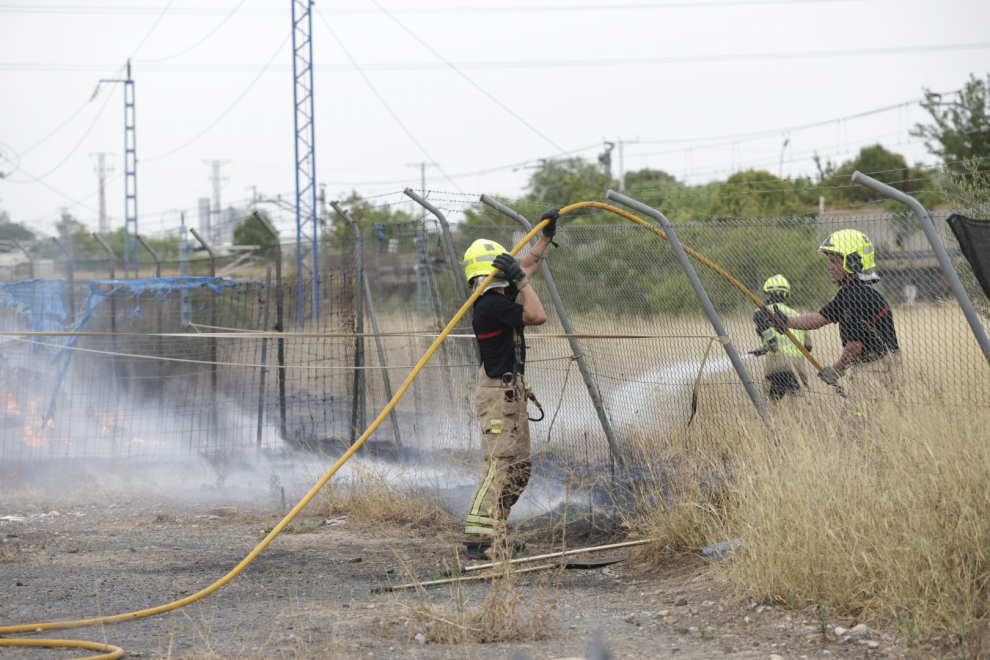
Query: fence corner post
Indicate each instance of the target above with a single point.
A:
(279, 324)
(27, 254)
(699, 291)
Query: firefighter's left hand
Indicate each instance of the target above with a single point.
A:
(511, 270)
(759, 351)
(550, 230)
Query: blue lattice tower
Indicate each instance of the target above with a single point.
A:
(131, 255)
(308, 293)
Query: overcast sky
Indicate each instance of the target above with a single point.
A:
(482, 88)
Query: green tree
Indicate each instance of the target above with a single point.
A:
(884, 166)
(363, 212)
(251, 232)
(15, 231)
(776, 198)
(960, 129)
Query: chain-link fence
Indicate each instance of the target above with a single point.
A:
(154, 370)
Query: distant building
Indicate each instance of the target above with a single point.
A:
(4, 218)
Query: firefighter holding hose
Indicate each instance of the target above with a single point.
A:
(866, 324)
(499, 322)
(785, 362)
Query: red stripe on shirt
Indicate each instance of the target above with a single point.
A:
(880, 315)
(494, 334)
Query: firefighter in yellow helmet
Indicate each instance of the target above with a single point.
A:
(785, 364)
(499, 322)
(866, 324)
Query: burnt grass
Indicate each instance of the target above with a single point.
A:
(309, 594)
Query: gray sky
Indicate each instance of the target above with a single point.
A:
(533, 80)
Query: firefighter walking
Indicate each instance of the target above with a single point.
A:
(785, 365)
(499, 323)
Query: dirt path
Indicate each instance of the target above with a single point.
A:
(308, 595)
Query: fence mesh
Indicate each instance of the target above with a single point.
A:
(147, 379)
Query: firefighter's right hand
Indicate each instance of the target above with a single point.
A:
(830, 376)
(759, 351)
(511, 270)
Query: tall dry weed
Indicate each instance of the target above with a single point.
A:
(505, 615)
(877, 505)
(368, 495)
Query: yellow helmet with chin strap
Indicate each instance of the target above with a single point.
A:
(856, 251)
(777, 284)
(479, 257)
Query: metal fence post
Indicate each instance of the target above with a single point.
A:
(455, 261)
(158, 308)
(70, 273)
(699, 291)
(565, 321)
(213, 322)
(279, 325)
(264, 353)
(154, 255)
(358, 401)
(29, 258)
(374, 326)
(943, 257)
(111, 261)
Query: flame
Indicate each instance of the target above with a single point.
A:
(34, 430)
(10, 404)
(109, 422)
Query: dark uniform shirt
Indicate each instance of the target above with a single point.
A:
(864, 316)
(496, 314)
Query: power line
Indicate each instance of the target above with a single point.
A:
(450, 9)
(380, 98)
(208, 35)
(517, 64)
(229, 108)
(152, 29)
(468, 79)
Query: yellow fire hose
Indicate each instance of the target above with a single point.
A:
(114, 652)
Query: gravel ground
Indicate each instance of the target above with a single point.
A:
(308, 594)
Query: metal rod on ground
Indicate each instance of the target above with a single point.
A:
(279, 327)
(357, 407)
(158, 308)
(552, 555)
(213, 340)
(699, 291)
(448, 239)
(939, 249)
(264, 353)
(70, 274)
(463, 578)
(565, 321)
(29, 258)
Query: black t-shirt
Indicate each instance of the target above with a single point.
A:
(496, 313)
(864, 316)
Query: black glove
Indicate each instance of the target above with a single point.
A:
(830, 376)
(550, 230)
(759, 351)
(511, 270)
(783, 319)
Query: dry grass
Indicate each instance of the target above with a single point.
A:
(9, 550)
(506, 615)
(884, 515)
(370, 495)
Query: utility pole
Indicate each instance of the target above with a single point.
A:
(131, 255)
(307, 227)
(185, 300)
(215, 228)
(101, 172)
(787, 141)
(422, 174)
(605, 159)
(254, 197)
(622, 163)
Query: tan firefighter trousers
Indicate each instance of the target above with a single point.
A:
(501, 408)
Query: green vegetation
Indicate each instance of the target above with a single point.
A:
(961, 128)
